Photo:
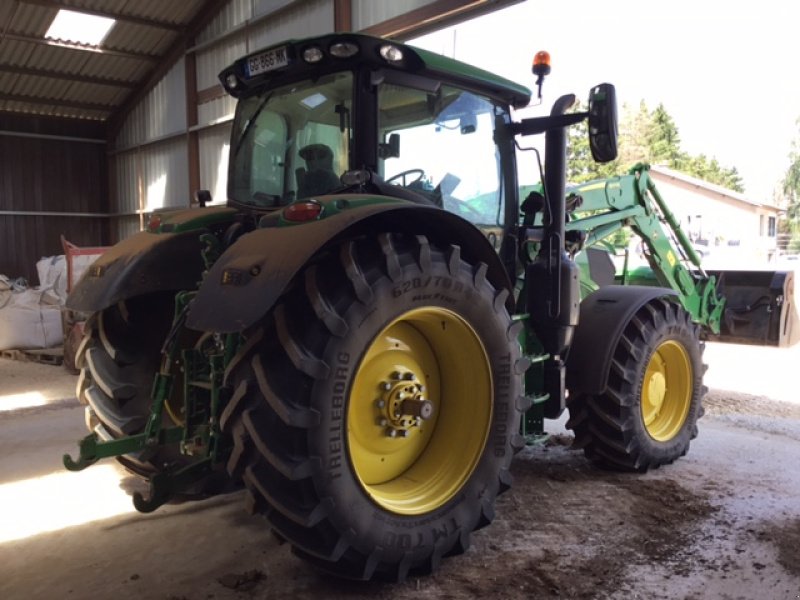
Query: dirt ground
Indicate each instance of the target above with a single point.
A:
(723, 522)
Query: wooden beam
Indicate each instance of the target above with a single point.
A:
(51, 74)
(192, 138)
(56, 102)
(211, 93)
(106, 13)
(343, 15)
(79, 47)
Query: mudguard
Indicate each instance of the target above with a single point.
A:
(251, 275)
(604, 315)
(141, 264)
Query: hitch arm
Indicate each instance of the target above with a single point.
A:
(91, 449)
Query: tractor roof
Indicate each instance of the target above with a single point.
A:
(289, 59)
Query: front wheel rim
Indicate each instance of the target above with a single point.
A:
(667, 391)
(420, 411)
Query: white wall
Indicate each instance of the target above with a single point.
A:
(732, 227)
(150, 164)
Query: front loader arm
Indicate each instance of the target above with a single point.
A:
(633, 200)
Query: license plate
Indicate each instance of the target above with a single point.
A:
(267, 61)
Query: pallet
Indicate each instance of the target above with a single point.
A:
(47, 356)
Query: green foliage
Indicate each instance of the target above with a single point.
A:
(580, 164)
(662, 138)
(794, 244)
(791, 186)
(702, 167)
(651, 137)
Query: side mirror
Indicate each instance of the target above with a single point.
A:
(201, 198)
(603, 122)
(390, 149)
(468, 124)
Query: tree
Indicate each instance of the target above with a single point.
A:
(791, 193)
(581, 167)
(791, 183)
(651, 137)
(634, 128)
(710, 170)
(663, 140)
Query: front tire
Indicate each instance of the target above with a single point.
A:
(374, 413)
(648, 414)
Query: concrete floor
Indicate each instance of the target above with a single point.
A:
(76, 535)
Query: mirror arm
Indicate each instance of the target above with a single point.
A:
(538, 125)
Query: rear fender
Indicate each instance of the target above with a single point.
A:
(251, 275)
(141, 264)
(604, 315)
(759, 308)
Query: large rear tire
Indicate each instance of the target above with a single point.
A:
(375, 409)
(118, 359)
(648, 414)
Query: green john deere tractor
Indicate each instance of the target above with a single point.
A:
(377, 320)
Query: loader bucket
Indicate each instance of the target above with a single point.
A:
(759, 309)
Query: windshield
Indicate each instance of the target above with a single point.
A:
(441, 145)
(291, 142)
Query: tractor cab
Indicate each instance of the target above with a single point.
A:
(356, 114)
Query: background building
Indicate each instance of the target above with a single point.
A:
(726, 226)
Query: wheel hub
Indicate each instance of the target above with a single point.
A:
(402, 407)
(666, 394)
(419, 414)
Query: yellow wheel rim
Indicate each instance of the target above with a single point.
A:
(420, 411)
(667, 391)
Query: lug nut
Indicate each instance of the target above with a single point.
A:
(391, 433)
(383, 422)
(404, 433)
(409, 376)
(380, 403)
(386, 386)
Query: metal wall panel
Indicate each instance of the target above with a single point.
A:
(161, 112)
(48, 175)
(217, 110)
(368, 12)
(165, 175)
(234, 14)
(214, 146)
(211, 61)
(301, 20)
(126, 166)
(149, 178)
(262, 7)
(126, 227)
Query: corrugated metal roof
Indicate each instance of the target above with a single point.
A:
(40, 77)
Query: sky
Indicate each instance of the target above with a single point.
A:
(726, 71)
